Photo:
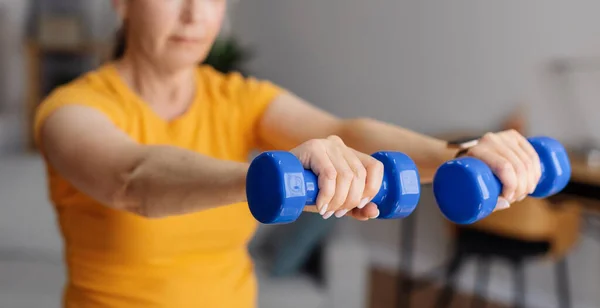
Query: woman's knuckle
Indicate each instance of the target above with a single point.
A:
(372, 188)
(373, 163)
(536, 177)
(510, 183)
(361, 172)
(328, 190)
(346, 175)
(330, 173)
(520, 168)
(522, 188)
(534, 159)
(530, 166)
(335, 138)
(314, 144)
(376, 166)
(489, 137)
(474, 151)
(503, 166)
(528, 162)
(513, 132)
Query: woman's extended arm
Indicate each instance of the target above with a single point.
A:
(152, 181)
(158, 181)
(290, 120)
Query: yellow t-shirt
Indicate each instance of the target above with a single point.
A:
(117, 259)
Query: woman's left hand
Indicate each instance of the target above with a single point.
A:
(513, 160)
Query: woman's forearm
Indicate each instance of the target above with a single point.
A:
(169, 181)
(368, 136)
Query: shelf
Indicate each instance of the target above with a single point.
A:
(34, 53)
(83, 48)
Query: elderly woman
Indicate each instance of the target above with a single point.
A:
(147, 158)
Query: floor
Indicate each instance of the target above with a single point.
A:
(383, 293)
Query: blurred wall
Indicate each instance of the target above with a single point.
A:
(427, 65)
(12, 73)
(98, 21)
(12, 29)
(435, 66)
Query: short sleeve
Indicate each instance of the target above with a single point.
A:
(263, 93)
(252, 96)
(74, 95)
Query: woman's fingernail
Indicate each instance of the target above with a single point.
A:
(363, 202)
(323, 209)
(340, 213)
(502, 204)
(327, 215)
(376, 215)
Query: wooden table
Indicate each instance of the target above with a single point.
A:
(584, 184)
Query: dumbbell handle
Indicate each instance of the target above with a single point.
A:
(293, 186)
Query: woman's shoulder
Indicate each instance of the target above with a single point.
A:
(93, 89)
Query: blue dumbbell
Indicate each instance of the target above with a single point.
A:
(466, 190)
(278, 187)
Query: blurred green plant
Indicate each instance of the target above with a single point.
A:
(227, 55)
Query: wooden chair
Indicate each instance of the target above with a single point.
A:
(533, 228)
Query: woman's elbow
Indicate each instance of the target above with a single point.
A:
(130, 192)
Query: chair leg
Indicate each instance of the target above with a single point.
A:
(519, 284)
(405, 282)
(481, 282)
(562, 284)
(447, 294)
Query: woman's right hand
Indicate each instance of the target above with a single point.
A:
(347, 179)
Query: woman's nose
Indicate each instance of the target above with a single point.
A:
(195, 11)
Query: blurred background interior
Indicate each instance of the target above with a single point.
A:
(447, 68)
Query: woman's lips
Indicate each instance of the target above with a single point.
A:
(185, 40)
